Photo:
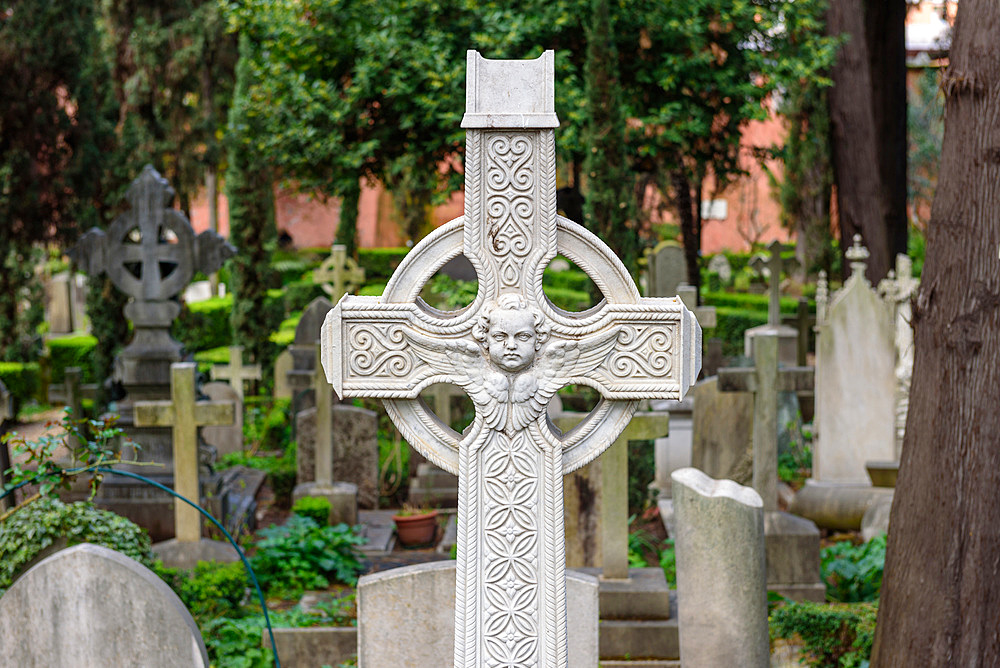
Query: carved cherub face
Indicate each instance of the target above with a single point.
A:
(511, 339)
(511, 332)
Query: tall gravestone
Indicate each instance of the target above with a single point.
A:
(303, 350)
(855, 402)
(510, 350)
(771, 267)
(666, 269)
(150, 253)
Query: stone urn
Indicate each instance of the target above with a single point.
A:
(416, 528)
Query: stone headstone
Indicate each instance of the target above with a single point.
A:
(91, 606)
(59, 303)
(855, 381)
(666, 269)
(721, 583)
(771, 266)
(722, 432)
(674, 451)
(283, 363)
(719, 264)
(511, 353)
(339, 274)
(226, 439)
(406, 617)
(198, 291)
(303, 350)
(307, 331)
(355, 449)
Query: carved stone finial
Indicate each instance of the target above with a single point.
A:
(822, 297)
(857, 256)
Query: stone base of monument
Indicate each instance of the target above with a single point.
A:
(343, 498)
(433, 487)
(145, 505)
(406, 617)
(791, 547)
(839, 506)
(177, 554)
(882, 473)
(876, 519)
(316, 646)
(638, 616)
(788, 342)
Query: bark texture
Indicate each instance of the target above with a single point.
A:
(941, 594)
(861, 206)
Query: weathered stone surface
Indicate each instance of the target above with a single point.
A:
(343, 498)
(283, 363)
(511, 352)
(58, 303)
(186, 554)
(228, 438)
(91, 606)
(722, 432)
(876, 519)
(839, 506)
(855, 384)
(406, 617)
(312, 647)
(674, 451)
(792, 547)
(307, 332)
(719, 264)
(666, 268)
(339, 274)
(721, 575)
(236, 372)
(354, 435)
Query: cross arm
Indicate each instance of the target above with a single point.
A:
(206, 413)
(744, 379)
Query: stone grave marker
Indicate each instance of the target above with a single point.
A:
(303, 350)
(705, 314)
(792, 543)
(339, 274)
(897, 289)
(226, 438)
(722, 432)
(283, 363)
(150, 253)
(672, 452)
(714, 359)
(856, 394)
(787, 337)
(666, 269)
(343, 496)
(354, 442)
(91, 606)
(59, 303)
(721, 573)
(72, 391)
(510, 351)
(183, 415)
(236, 372)
(719, 264)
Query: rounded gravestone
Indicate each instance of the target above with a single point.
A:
(91, 607)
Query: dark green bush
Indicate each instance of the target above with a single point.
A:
(834, 635)
(34, 527)
(298, 294)
(301, 555)
(23, 380)
(204, 325)
(76, 350)
(853, 573)
(316, 508)
(281, 471)
(267, 423)
(571, 279)
(741, 300)
(212, 589)
(731, 323)
(379, 263)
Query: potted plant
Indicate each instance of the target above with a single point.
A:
(415, 525)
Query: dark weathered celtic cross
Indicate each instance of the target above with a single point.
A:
(511, 350)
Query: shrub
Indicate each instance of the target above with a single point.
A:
(281, 471)
(38, 525)
(67, 351)
(23, 380)
(834, 635)
(205, 325)
(316, 508)
(853, 573)
(211, 589)
(740, 300)
(267, 424)
(379, 263)
(301, 555)
(571, 279)
(668, 562)
(731, 323)
(298, 294)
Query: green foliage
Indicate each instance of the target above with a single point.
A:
(74, 350)
(795, 463)
(212, 589)
(742, 300)
(281, 471)
(39, 525)
(316, 508)
(450, 294)
(641, 469)
(205, 324)
(107, 324)
(668, 562)
(834, 635)
(380, 263)
(298, 294)
(924, 134)
(21, 296)
(853, 573)
(267, 423)
(730, 325)
(301, 555)
(23, 380)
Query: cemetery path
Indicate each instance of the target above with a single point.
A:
(46, 422)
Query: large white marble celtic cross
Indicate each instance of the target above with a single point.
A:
(510, 350)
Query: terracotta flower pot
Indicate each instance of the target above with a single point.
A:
(416, 529)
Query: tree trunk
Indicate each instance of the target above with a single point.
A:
(886, 37)
(347, 227)
(690, 224)
(941, 594)
(855, 147)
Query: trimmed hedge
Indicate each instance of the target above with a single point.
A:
(731, 323)
(23, 380)
(379, 263)
(76, 350)
(205, 325)
(744, 301)
(298, 294)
